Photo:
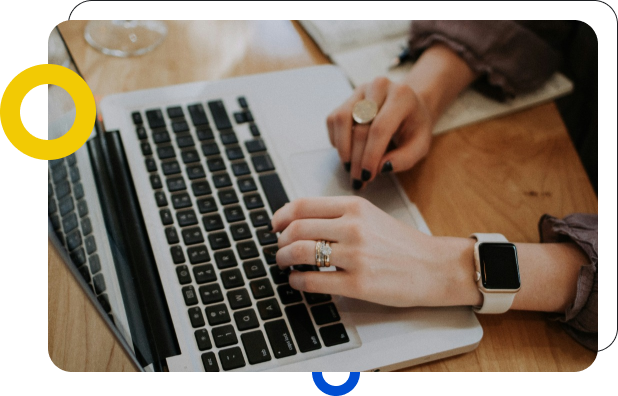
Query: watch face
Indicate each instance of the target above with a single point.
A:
(499, 268)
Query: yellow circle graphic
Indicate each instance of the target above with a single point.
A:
(85, 112)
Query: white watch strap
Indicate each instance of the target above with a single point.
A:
(493, 303)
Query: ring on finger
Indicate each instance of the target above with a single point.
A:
(318, 254)
(364, 111)
(326, 251)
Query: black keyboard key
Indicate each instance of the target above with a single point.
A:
(69, 223)
(185, 141)
(204, 274)
(247, 184)
(210, 149)
(184, 276)
(225, 259)
(59, 173)
(196, 317)
(201, 188)
(191, 236)
(255, 347)
(104, 301)
(227, 197)
(206, 205)
(261, 288)
(178, 257)
(266, 237)
(83, 270)
(161, 199)
(186, 217)
(188, 293)
(66, 206)
(254, 269)
(302, 327)
(166, 217)
(269, 309)
(270, 253)
(78, 257)
(240, 231)
(323, 314)
(155, 182)
(151, 165)
(231, 358)
(190, 156)
(280, 339)
(211, 293)
(238, 299)
(203, 340)
(155, 118)
(234, 214)
(90, 244)
(141, 133)
(289, 295)
(254, 130)
(253, 201)
(279, 275)
(161, 137)
(166, 152)
(240, 169)
(210, 362)
(196, 172)
(63, 189)
(78, 191)
(74, 174)
(198, 254)
(175, 112)
(228, 138)
(95, 263)
(137, 118)
(205, 133)
(212, 222)
(242, 102)
(198, 115)
(219, 240)
(224, 336)
(262, 163)
(73, 240)
(232, 278)
(247, 250)
(316, 298)
(180, 201)
(217, 314)
(171, 235)
(255, 145)
(176, 184)
(275, 193)
(146, 149)
(86, 226)
(259, 218)
(55, 220)
(222, 180)
(71, 160)
(334, 335)
(246, 320)
(240, 117)
(99, 284)
(215, 164)
(170, 168)
(219, 115)
(234, 153)
(249, 116)
(180, 126)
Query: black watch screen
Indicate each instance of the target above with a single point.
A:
(499, 267)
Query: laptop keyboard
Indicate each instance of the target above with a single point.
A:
(215, 220)
(69, 215)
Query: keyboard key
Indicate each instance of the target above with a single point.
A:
(201, 188)
(215, 164)
(95, 263)
(262, 163)
(212, 222)
(151, 165)
(270, 253)
(73, 240)
(66, 206)
(334, 335)
(222, 180)
(185, 141)
(206, 205)
(195, 172)
(249, 116)
(238, 299)
(323, 314)
(203, 340)
(55, 220)
(247, 184)
(232, 278)
(227, 197)
(266, 237)
(188, 293)
(184, 277)
(316, 298)
(178, 257)
(255, 347)
(180, 201)
(161, 199)
(141, 133)
(280, 339)
(261, 288)
(78, 257)
(59, 173)
(246, 320)
(104, 301)
(78, 191)
(63, 189)
(255, 146)
(240, 231)
(175, 112)
(210, 362)
(254, 269)
(240, 117)
(198, 254)
(146, 149)
(83, 270)
(302, 327)
(224, 336)
(166, 152)
(269, 309)
(198, 115)
(289, 295)
(180, 126)
(191, 236)
(71, 160)
(210, 149)
(228, 138)
(217, 314)
(186, 217)
(211, 293)
(90, 244)
(99, 283)
(240, 169)
(259, 218)
(155, 118)
(234, 153)
(155, 182)
(190, 156)
(205, 133)
(161, 137)
(219, 115)
(170, 168)
(254, 130)
(74, 174)
(253, 201)
(275, 193)
(242, 102)
(137, 118)
(279, 275)
(204, 274)
(171, 235)
(225, 259)
(86, 226)
(176, 184)
(166, 217)
(234, 214)
(70, 223)
(196, 317)
(231, 358)
(219, 240)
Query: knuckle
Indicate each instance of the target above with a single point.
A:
(403, 90)
(380, 83)
(297, 252)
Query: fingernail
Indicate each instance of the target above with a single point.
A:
(365, 175)
(387, 167)
(347, 166)
(357, 184)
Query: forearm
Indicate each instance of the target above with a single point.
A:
(438, 76)
(548, 274)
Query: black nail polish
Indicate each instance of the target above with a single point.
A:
(365, 175)
(387, 167)
(357, 184)
(347, 166)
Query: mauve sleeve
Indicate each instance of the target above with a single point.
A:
(580, 320)
(509, 57)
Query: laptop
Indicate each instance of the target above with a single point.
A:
(162, 217)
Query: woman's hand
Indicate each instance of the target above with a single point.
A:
(378, 258)
(403, 119)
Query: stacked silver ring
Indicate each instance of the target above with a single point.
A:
(322, 253)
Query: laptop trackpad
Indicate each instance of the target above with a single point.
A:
(320, 173)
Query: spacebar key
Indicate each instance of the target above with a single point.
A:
(275, 194)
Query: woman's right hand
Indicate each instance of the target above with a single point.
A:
(403, 119)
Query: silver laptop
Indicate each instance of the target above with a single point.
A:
(162, 216)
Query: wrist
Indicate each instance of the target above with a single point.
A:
(460, 287)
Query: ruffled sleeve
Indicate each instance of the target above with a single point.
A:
(509, 57)
(580, 320)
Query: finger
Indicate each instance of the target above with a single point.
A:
(406, 156)
(391, 116)
(303, 252)
(340, 122)
(303, 208)
(312, 229)
(331, 282)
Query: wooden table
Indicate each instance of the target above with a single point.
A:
(495, 176)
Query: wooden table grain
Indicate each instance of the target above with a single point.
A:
(495, 176)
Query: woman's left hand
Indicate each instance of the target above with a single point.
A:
(378, 258)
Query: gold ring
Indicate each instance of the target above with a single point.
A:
(364, 111)
(326, 251)
(318, 254)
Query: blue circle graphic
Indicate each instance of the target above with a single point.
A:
(331, 390)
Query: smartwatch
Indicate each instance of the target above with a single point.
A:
(497, 272)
